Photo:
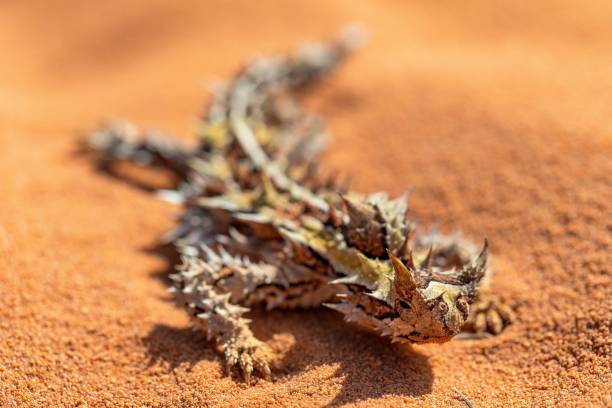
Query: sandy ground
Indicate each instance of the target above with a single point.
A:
(497, 115)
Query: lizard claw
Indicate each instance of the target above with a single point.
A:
(249, 355)
(489, 315)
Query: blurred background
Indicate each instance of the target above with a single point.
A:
(496, 113)
(153, 60)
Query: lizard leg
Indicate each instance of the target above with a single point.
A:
(489, 315)
(121, 141)
(216, 287)
(224, 323)
(205, 286)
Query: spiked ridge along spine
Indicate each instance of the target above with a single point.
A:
(261, 226)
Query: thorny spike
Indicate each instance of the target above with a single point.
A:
(426, 264)
(405, 198)
(403, 276)
(358, 213)
(210, 254)
(481, 261)
(407, 211)
(410, 261)
(475, 271)
(404, 249)
(345, 186)
(334, 218)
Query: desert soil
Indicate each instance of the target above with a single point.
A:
(498, 116)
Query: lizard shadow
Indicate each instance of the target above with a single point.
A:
(171, 258)
(144, 178)
(366, 366)
(177, 346)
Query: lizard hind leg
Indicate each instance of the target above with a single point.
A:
(122, 141)
(213, 287)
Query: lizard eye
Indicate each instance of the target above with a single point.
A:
(405, 305)
(443, 307)
(462, 305)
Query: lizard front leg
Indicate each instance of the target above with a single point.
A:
(224, 323)
(214, 287)
(489, 315)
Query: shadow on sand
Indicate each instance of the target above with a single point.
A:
(367, 366)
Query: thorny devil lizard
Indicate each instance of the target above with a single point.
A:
(262, 227)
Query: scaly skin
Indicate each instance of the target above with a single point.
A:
(261, 227)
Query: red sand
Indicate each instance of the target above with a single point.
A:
(498, 115)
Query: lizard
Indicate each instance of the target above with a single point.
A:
(261, 226)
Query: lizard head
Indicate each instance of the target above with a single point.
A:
(430, 305)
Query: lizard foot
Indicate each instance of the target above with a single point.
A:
(489, 316)
(248, 354)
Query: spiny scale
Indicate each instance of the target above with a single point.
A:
(262, 227)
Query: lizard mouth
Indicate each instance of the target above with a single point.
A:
(422, 339)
